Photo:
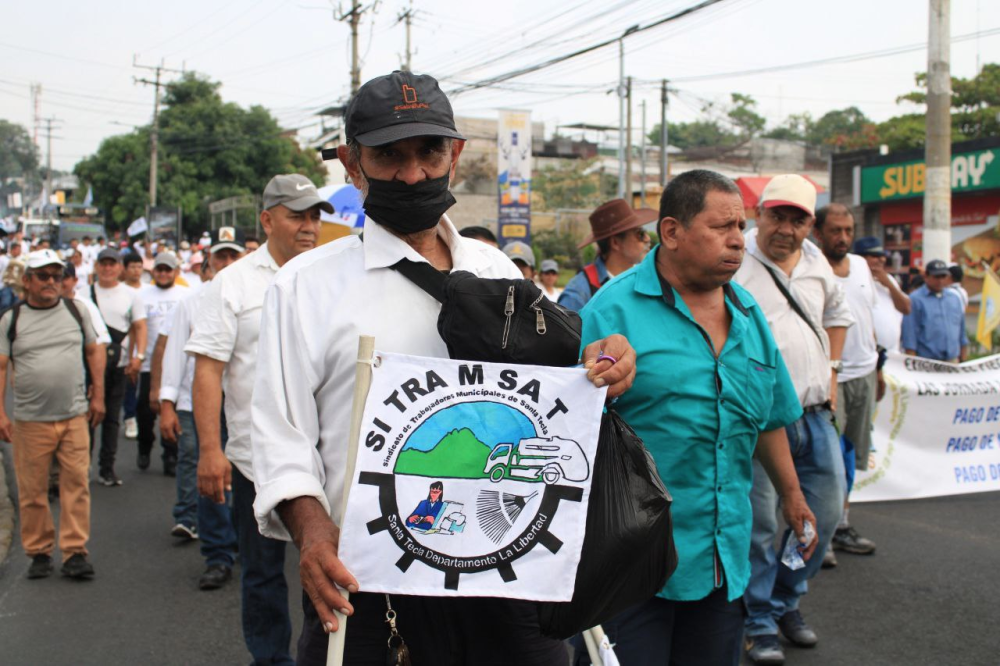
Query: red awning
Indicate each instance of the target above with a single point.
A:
(753, 186)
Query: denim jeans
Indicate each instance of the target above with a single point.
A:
(267, 627)
(131, 398)
(214, 521)
(774, 589)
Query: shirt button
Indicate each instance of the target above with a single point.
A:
(721, 446)
(720, 489)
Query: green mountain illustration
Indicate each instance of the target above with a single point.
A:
(459, 455)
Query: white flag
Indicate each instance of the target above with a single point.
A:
(138, 227)
(472, 479)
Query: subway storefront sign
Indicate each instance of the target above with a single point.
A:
(970, 172)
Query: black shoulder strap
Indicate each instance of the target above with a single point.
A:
(93, 293)
(791, 300)
(73, 310)
(15, 310)
(423, 275)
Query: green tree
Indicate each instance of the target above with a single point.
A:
(209, 149)
(834, 128)
(975, 103)
(571, 184)
(796, 127)
(744, 117)
(18, 154)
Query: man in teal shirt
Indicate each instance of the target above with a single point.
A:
(711, 391)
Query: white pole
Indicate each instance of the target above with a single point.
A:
(362, 382)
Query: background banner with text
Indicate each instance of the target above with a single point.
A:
(937, 431)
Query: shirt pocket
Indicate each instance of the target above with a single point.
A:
(760, 390)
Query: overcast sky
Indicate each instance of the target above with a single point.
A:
(293, 57)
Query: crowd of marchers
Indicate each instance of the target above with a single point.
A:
(748, 361)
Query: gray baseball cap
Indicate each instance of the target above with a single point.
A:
(550, 266)
(521, 251)
(109, 253)
(295, 192)
(168, 259)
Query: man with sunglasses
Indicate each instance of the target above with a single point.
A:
(52, 344)
(160, 299)
(621, 244)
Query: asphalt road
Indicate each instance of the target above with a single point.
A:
(929, 595)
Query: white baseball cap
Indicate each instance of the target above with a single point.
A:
(790, 189)
(40, 258)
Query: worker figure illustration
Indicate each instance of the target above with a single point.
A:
(429, 509)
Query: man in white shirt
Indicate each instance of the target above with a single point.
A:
(82, 271)
(808, 315)
(125, 316)
(194, 516)
(860, 381)
(160, 299)
(318, 306)
(547, 278)
(891, 303)
(224, 344)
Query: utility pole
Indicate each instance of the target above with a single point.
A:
(642, 156)
(154, 136)
(36, 110)
(48, 162)
(663, 135)
(628, 143)
(407, 18)
(353, 19)
(937, 194)
(622, 92)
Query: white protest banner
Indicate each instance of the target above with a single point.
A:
(137, 227)
(471, 479)
(937, 431)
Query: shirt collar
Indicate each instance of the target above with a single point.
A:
(262, 258)
(649, 282)
(384, 249)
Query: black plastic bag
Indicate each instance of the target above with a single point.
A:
(628, 550)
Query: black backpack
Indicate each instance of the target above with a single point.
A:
(498, 320)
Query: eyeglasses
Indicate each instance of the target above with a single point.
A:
(47, 277)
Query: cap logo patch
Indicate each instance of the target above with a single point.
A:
(410, 100)
(227, 234)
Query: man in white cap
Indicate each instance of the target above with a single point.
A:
(224, 344)
(808, 314)
(160, 299)
(47, 338)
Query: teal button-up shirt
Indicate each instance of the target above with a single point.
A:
(699, 415)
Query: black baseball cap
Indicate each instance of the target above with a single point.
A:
(937, 268)
(228, 237)
(399, 106)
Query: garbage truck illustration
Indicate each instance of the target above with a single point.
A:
(538, 459)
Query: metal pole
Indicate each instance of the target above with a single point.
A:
(629, 188)
(621, 118)
(355, 64)
(642, 156)
(937, 195)
(154, 141)
(48, 166)
(663, 134)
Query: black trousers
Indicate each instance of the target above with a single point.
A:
(442, 631)
(114, 393)
(147, 423)
(679, 633)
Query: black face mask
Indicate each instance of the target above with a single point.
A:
(407, 209)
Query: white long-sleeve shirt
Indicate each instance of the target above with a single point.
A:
(226, 330)
(177, 376)
(818, 293)
(318, 306)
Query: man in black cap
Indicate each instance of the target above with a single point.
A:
(935, 328)
(401, 152)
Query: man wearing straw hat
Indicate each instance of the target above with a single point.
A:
(401, 153)
(621, 244)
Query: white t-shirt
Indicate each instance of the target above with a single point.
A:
(554, 296)
(100, 328)
(120, 306)
(83, 272)
(160, 304)
(860, 354)
(888, 320)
